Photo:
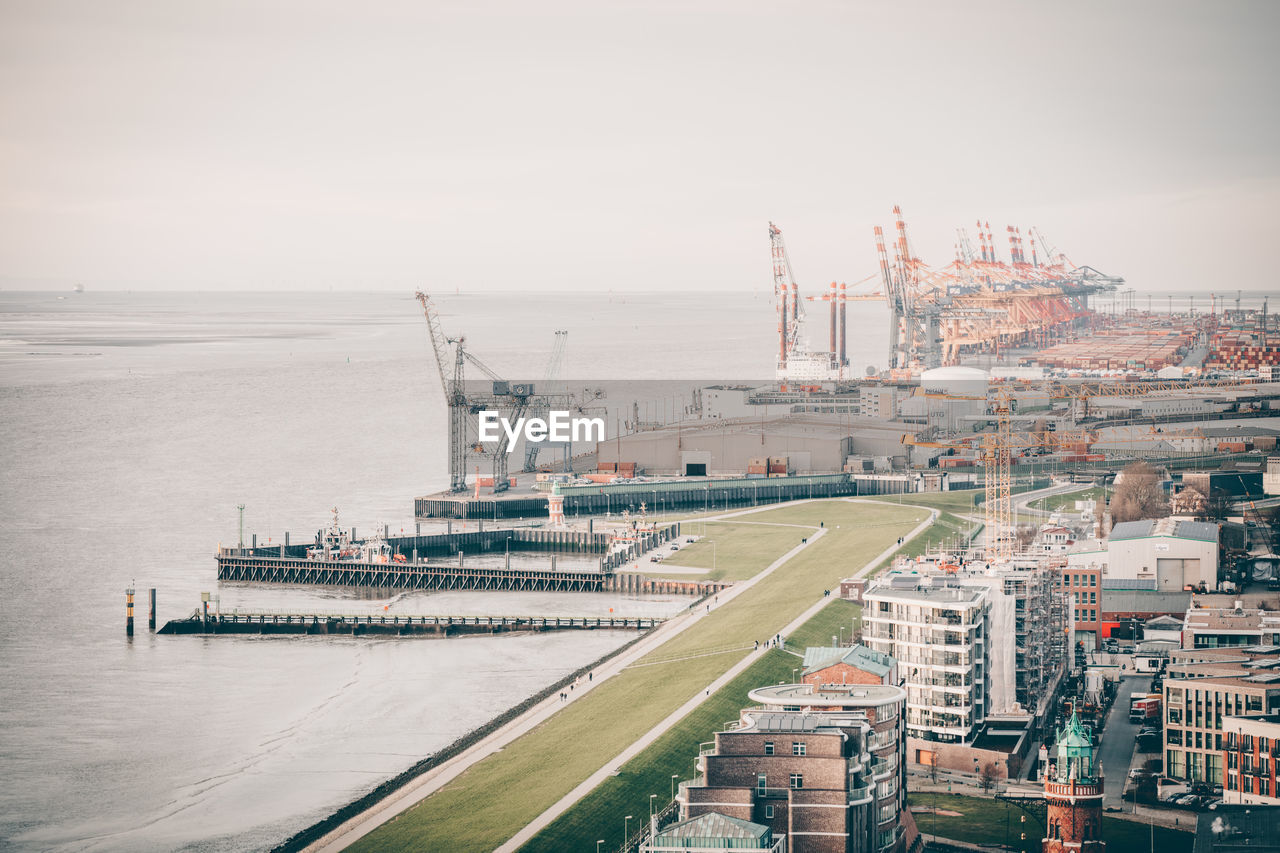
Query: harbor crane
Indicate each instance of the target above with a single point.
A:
(553, 372)
(510, 399)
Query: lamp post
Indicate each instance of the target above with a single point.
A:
(625, 822)
(793, 675)
(652, 797)
(842, 635)
(598, 843)
(674, 777)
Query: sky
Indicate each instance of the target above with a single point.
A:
(605, 146)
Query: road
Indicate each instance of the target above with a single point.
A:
(1119, 740)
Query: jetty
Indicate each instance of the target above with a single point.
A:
(396, 625)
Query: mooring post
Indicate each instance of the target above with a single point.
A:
(151, 619)
(286, 539)
(459, 559)
(128, 611)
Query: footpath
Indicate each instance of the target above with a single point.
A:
(568, 800)
(428, 783)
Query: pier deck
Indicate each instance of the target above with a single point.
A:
(435, 576)
(357, 625)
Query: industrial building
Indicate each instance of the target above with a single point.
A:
(1162, 555)
(806, 444)
(826, 775)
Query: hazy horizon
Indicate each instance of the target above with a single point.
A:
(497, 147)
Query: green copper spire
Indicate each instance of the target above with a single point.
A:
(1075, 753)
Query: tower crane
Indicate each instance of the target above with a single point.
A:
(995, 449)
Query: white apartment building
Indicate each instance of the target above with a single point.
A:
(938, 635)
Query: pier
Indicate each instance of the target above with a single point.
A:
(396, 625)
(435, 576)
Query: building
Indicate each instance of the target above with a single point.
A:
(823, 768)
(1271, 477)
(711, 833)
(938, 636)
(840, 665)
(1237, 829)
(1250, 769)
(1162, 555)
(1204, 687)
(1073, 794)
(1224, 621)
(1082, 582)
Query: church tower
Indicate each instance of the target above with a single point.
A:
(1073, 792)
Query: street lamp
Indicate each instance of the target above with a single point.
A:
(842, 635)
(598, 843)
(793, 675)
(674, 777)
(625, 822)
(652, 797)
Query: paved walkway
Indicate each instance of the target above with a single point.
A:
(435, 779)
(568, 800)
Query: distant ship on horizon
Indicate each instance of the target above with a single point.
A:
(79, 288)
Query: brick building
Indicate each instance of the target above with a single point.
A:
(1073, 794)
(823, 768)
(1250, 754)
(847, 665)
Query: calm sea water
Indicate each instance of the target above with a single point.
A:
(131, 426)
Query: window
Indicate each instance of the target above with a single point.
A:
(798, 748)
(797, 780)
(1093, 580)
(761, 782)
(768, 747)
(768, 812)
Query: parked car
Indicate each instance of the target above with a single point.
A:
(656, 559)
(675, 547)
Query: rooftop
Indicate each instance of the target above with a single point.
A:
(1156, 527)
(865, 659)
(714, 826)
(957, 595)
(1237, 828)
(827, 696)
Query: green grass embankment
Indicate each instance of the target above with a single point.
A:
(601, 813)
(493, 799)
(741, 549)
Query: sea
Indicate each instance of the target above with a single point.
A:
(133, 427)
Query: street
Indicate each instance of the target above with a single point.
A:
(1119, 738)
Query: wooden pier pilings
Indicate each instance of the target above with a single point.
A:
(359, 625)
(232, 567)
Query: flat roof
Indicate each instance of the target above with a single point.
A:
(828, 695)
(933, 594)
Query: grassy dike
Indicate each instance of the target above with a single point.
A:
(495, 798)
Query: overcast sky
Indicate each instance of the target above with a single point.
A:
(623, 146)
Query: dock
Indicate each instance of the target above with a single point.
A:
(406, 576)
(396, 625)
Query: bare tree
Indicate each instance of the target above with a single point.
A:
(933, 769)
(989, 776)
(1138, 495)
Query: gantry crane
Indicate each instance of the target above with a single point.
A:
(510, 399)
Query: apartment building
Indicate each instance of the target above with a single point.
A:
(1222, 621)
(822, 767)
(1203, 688)
(938, 635)
(1248, 758)
(1021, 637)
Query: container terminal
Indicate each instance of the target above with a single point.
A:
(996, 369)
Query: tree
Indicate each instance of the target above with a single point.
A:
(1138, 495)
(989, 776)
(933, 768)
